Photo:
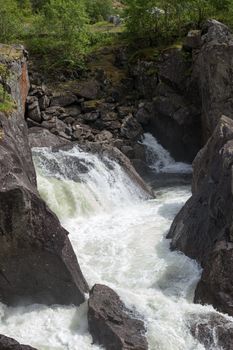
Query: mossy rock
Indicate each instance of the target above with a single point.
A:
(11, 53)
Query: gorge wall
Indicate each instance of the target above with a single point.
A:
(37, 262)
(203, 228)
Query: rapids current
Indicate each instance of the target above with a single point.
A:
(118, 235)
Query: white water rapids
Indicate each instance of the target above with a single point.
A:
(119, 238)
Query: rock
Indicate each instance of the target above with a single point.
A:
(123, 111)
(104, 136)
(212, 330)
(63, 99)
(130, 128)
(87, 89)
(90, 117)
(203, 228)
(145, 113)
(55, 111)
(108, 116)
(193, 40)
(73, 111)
(39, 137)
(210, 75)
(111, 324)
(44, 102)
(93, 105)
(175, 124)
(145, 75)
(174, 68)
(38, 264)
(7, 343)
(34, 111)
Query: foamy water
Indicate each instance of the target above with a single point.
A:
(119, 238)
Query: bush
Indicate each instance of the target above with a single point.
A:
(99, 10)
(10, 22)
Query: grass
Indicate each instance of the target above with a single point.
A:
(106, 27)
(8, 104)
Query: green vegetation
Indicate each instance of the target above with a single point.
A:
(165, 20)
(60, 33)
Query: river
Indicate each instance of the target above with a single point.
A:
(118, 234)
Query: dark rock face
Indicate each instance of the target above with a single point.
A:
(203, 228)
(111, 324)
(11, 344)
(39, 137)
(211, 74)
(213, 331)
(167, 111)
(37, 262)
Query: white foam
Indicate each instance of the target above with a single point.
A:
(119, 242)
(160, 160)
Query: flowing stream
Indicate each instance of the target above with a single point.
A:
(119, 237)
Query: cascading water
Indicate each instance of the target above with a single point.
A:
(118, 235)
(160, 160)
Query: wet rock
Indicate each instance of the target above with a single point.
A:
(111, 324)
(213, 331)
(203, 228)
(7, 343)
(39, 137)
(130, 128)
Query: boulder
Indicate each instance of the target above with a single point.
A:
(7, 343)
(44, 102)
(37, 262)
(39, 137)
(203, 228)
(210, 75)
(111, 324)
(33, 110)
(63, 99)
(130, 128)
(212, 330)
(173, 68)
(193, 40)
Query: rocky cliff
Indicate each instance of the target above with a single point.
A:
(37, 262)
(203, 228)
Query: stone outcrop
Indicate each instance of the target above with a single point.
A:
(211, 76)
(165, 109)
(7, 343)
(37, 262)
(212, 330)
(111, 324)
(203, 228)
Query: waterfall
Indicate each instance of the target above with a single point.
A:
(119, 238)
(160, 160)
(75, 182)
